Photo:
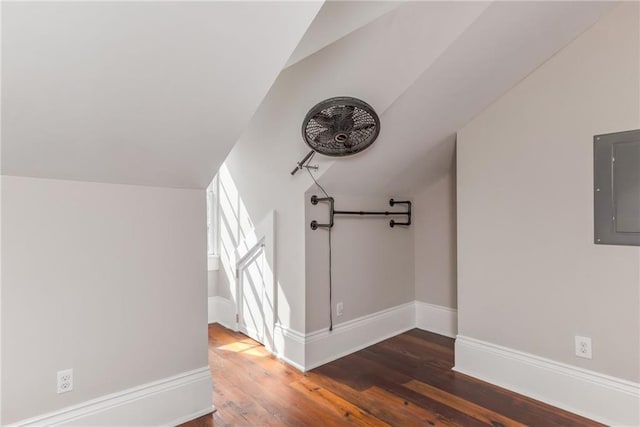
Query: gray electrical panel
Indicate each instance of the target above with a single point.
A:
(617, 188)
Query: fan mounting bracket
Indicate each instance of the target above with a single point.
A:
(301, 164)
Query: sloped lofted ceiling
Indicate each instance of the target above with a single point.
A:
(506, 42)
(158, 93)
(335, 20)
(150, 93)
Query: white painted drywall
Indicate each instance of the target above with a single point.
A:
(335, 20)
(434, 227)
(93, 90)
(218, 284)
(212, 283)
(109, 280)
(372, 263)
(529, 275)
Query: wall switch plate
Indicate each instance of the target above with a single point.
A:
(65, 381)
(583, 347)
(339, 308)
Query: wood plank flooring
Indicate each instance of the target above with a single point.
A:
(403, 381)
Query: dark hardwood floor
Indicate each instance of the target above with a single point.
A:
(403, 381)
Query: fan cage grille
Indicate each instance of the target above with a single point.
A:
(341, 126)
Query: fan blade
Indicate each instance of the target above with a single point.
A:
(324, 137)
(345, 120)
(324, 120)
(346, 111)
(364, 127)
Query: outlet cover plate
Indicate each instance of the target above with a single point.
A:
(583, 347)
(65, 381)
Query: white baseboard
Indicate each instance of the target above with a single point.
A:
(167, 402)
(305, 352)
(289, 346)
(436, 318)
(223, 311)
(603, 398)
(324, 346)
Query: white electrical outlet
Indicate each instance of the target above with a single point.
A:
(339, 308)
(65, 381)
(583, 347)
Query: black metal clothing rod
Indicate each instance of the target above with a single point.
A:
(368, 213)
(332, 212)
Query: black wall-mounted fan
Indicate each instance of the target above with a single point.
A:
(338, 127)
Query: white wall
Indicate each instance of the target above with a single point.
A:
(109, 280)
(218, 284)
(372, 263)
(529, 276)
(434, 225)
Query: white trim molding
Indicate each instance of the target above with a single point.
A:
(166, 402)
(222, 310)
(324, 346)
(436, 318)
(603, 398)
(306, 352)
(289, 346)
